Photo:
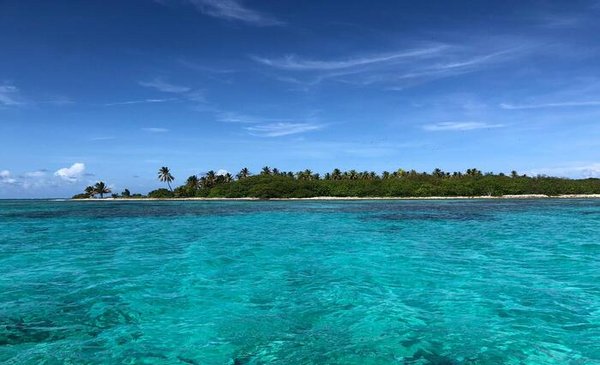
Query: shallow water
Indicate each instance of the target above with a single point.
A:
(353, 282)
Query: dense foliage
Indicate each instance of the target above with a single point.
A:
(161, 193)
(272, 183)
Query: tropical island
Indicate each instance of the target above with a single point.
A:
(272, 183)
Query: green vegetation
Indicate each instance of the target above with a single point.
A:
(273, 183)
(164, 175)
(161, 194)
(100, 188)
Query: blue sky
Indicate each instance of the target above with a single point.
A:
(112, 90)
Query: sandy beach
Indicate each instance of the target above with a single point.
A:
(329, 198)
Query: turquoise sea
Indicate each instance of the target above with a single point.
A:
(305, 282)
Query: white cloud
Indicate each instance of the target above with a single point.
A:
(576, 170)
(292, 62)
(551, 105)
(10, 96)
(35, 174)
(222, 172)
(103, 138)
(234, 10)
(144, 101)
(5, 177)
(459, 126)
(161, 85)
(196, 95)
(282, 129)
(233, 117)
(184, 92)
(397, 69)
(155, 130)
(71, 174)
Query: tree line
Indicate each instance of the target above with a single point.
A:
(275, 183)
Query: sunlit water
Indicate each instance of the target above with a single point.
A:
(382, 282)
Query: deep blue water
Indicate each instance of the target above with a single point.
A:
(353, 282)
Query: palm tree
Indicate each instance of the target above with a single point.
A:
(336, 174)
(101, 188)
(227, 178)
(266, 171)
(473, 172)
(210, 179)
(164, 175)
(244, 173)
(90, 192)
(192, 182)
(438, 172)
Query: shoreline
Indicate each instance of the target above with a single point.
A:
(342, 198)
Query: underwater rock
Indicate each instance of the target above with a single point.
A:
(18, 332)
(187, 360)
(431, 357)
(240, 361)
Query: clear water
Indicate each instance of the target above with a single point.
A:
(381, 282)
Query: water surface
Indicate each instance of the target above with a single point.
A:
(352, 282)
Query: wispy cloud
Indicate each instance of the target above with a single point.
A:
(459, 126)
(184, 92)
(577, 170)
(103, 138)
(10, 95)
(164, 86)
(282, 129)
(155, 130)
(271, 127)
(35, 174)
(234, 10)
(143, 101)
(72, 173)
(292, 62)
(233, 117)
(392, 69)
(565, 104)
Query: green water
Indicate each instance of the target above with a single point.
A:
(381, 282)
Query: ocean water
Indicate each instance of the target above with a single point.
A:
(306, 282)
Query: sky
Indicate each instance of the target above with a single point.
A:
(113, 90)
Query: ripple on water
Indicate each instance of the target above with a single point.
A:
(382, 282)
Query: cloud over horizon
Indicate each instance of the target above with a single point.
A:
(72, 173)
